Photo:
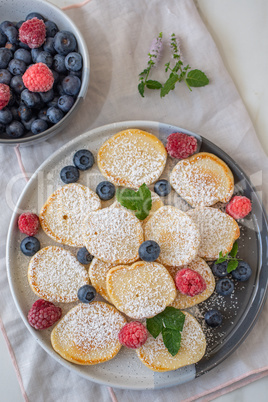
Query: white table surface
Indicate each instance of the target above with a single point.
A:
(240, 31)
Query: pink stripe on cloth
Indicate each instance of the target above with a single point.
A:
(230, 386)
(18, 154)
(14, 361)
(78, 5)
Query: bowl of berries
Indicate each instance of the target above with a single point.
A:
(44, 71)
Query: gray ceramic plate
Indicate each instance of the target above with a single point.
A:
(240, 311)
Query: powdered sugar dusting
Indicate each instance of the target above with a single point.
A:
(218, 231)
(64, 213)
(176, 234)
(142, 290)
(113, 235)
(56, 275)
(132, 158)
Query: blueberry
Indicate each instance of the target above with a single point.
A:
(35, 52)
(5, 24)
(3, 39)
(225, 287)
(54, 101)
(86, 293)
(73, 61)
(25, 113)
(162, 188)
(59, 63)
(31, 99)
(24, 46)
(5, 76)
(15, 112)
(24, 55)
(56, 76)
(12, 99)
(71, 85)
(5, 116)
(45, 57)
(76, 73)
(42, 114)
(17, 67)
(15, 129)
(83, 256)
(19, 24)
(65, 103)
(51, 29)
(149, 251)
(49, 46)
(5, 56)
(84, 159)
(59, 90)
(105, 190)
(35, 15)
(64, 42)
(69, 174)
(2, 128)
(213, 318)
(47, 96)
(220, 270)
(28, 124)
(38, 126)
(11, 46)
(243, 272)
(54, 114)
(17, 84)
(12, 34)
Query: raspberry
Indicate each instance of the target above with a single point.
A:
(239, 207)
(38, 78)
(43, 314)
(4, 95)
(133, 335)
(28, 223)
(33, 33)
(180, 145)
(190, 282)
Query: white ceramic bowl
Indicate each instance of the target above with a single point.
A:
(17, 10)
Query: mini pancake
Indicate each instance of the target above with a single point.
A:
(203, 179)
(54, 274)
(183, 301)
(132, 157)
(177, 235)
(97, 272)
(63, 214)
(156, 357)
(141, 290)
(113, 235)
(88, 333)
(218, 231)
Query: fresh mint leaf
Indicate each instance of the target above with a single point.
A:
(151, 84)
(139, 201)
(220, 260)
(173, 319)
(141, 88)
(169, 85)
(196, 78)
(232, 265)
(172, 340)
(154, 325)
(234, 250)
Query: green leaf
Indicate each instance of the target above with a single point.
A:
(127, 198)
(173, 318)
(196, 78)
(141, 88)
(169, 85)
(234, 250)
(232, 265)
(220, 260)
(154, 325)
(151, 84)
(172, 340)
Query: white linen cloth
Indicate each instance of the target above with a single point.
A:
(118, 34)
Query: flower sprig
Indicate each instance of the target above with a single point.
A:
(178, 73)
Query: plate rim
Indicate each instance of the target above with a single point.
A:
(124, 125)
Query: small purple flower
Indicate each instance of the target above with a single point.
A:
(155, 50)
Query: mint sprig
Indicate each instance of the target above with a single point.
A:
(170, 323)
(230, 257)
(139, 201)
